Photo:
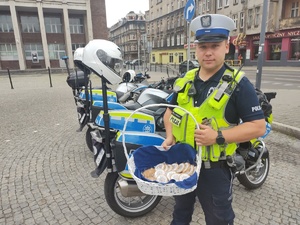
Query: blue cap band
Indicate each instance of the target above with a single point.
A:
(220, 31)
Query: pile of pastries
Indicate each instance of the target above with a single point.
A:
(164, 172)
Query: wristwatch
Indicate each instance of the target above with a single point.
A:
(220, 139)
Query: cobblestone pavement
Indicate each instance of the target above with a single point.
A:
(45, 167)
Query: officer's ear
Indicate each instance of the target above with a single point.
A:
(227, 46)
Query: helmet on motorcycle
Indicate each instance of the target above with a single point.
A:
(128, 76)
(78, 58)
(104, 58)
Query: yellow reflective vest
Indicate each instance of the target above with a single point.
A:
(211, 111)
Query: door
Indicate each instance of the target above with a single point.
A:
(60, 54)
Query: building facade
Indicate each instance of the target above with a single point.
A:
(38, 33)
(129, 35)
(167, 30)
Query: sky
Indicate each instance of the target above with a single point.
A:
(117, 9)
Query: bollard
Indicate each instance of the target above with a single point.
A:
(49, 72)
(11, 84)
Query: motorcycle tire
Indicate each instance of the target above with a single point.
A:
(255, 178)
(127, 206)
(88, 139)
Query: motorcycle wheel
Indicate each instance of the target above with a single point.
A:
(88, 139)
(255, 178)
(127, 206)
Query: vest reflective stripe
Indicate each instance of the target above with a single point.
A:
(185, 131)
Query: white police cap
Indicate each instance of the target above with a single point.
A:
(211, 28)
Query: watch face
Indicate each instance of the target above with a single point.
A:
(220, 139)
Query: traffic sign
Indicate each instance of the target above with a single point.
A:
(189, 10)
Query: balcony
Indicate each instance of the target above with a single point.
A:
(289, 23)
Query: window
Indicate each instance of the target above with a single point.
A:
(181, 39)
(220, 4)
(207, 5)
(255, 50)
(235, 2)
(294, 9)
(153, 58)
(180, 57)
(168, 41)
(199, 7)
(275, 49)
(242, 19)
(257, 16)
(171, 58)
(30, 24)
(161, 42)
(33, 47)
(203, 6)
(53, 25)
(178, 39)
(235, 20)
(172, 40)
(8, 52)
(250, 18)
(226, 2)
(76, 45)
(76, 25)
(55, 49)
(6, 23)
(295, 48)
(193, 56)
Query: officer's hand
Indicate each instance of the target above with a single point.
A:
(205, 136)
(168, 142)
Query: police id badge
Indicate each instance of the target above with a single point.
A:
(177, 116)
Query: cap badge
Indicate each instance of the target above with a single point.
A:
(206, 21)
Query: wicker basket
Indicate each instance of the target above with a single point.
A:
(155, 188)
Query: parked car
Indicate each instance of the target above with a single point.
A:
(183, 66)
(137, 62)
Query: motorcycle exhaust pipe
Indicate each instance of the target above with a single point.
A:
(129, 188)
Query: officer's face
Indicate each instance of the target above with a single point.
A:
(211, 55)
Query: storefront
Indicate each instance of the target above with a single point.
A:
(281, 48)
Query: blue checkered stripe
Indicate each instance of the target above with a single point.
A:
(143, 139)
(99, 97)
(133, 124)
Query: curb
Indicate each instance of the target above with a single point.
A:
(286, 129)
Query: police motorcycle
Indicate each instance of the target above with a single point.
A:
(121, 191)
(83, 93)
(139, 96)
(251, 162)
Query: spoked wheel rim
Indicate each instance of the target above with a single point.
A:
(135, 203)
(259, 173)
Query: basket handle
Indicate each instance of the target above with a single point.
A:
(149, 106)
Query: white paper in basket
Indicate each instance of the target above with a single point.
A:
(152, 188)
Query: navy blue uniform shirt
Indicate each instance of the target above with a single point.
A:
(243, 104)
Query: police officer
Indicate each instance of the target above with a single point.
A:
(219, 97)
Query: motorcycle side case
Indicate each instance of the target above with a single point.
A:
(139, 122)
(76, 80)
(152, 96)
(97, 95)
(133, 140)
